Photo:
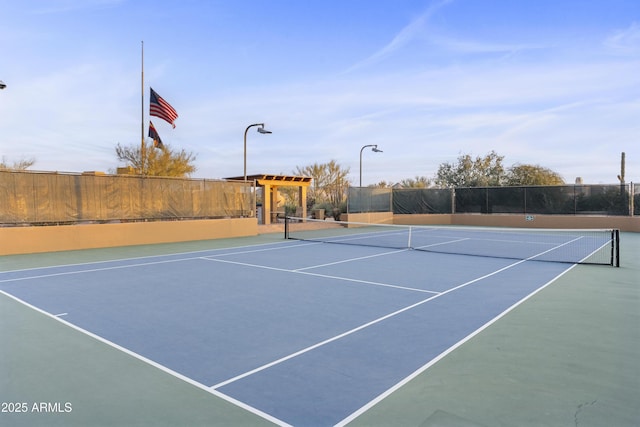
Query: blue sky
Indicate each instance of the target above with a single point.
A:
(547, 82)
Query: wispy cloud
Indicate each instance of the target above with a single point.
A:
(454, 45)
(434, 114)
(533, 97)
(625, 41)
(406, 35)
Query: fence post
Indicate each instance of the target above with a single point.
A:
(453, 200)
(632, 194)
(391, 200)
(486, 200)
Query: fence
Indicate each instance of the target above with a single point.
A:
(369, 199)
(60, 198)
(622, 200)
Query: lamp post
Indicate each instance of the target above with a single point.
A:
(262, 130)
(374, 148)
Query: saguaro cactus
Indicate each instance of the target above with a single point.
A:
(621, 176)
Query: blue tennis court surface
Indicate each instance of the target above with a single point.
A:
(301, 333)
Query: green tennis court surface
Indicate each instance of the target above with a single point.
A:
(567, 355)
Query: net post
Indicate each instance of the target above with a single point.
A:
(617, 243)
(286, 227)
(612, 239)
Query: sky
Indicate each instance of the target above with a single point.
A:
(543, 82)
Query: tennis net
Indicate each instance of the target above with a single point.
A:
(590, 246)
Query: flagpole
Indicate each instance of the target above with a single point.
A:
(142, 153)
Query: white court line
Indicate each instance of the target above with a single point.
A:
(359, 328)
(300, 243)
(385, 285)
(435, 360)
(212, 389)
(286, 243)
(346, 279)
(93, 270)
(339, 238)
(443, 243)
(115, 267)
(605, 244)
(352, 259)
(380, 319)
(154, 364)
(442, 355)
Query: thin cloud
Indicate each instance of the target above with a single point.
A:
(479, 47)
(626, 41)
(566, 107)
(407, 34)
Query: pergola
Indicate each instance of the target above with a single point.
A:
(270, 184)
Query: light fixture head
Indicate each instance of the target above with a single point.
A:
(2, 85)
(263, 130)
(376, 150)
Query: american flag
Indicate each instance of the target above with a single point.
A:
(160, 108)
(153, 134)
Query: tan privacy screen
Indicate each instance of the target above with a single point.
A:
(27, 198)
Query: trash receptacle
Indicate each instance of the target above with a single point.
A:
(318, 214)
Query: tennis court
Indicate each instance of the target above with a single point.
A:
(261, 331)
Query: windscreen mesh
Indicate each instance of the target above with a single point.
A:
(43, 198)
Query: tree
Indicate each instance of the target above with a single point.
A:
(337, 183)
(381, 184)
(157, 162)
(468, 172)
(417, 182)
(329, 182)
(20, 165)
(532, 175)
